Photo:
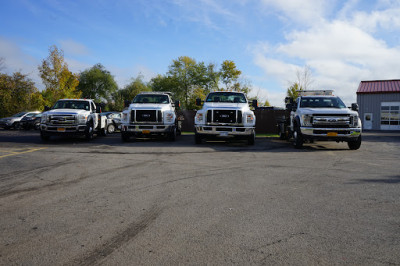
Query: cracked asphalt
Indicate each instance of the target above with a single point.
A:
(154, 202)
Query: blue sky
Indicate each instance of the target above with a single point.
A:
(342, 42)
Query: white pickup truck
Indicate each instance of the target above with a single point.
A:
(319, 115)
(72, 117)
(225, 115)
(150, 114)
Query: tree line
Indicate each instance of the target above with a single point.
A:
(186, 78)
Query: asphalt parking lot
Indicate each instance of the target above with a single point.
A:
(153, 202)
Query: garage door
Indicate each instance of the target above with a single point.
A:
(390, 116)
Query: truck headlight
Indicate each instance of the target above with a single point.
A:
(354, 120)
(169, 117)
(124, 118)
(307, 120)
(82, 118)
(43, 119)
(249, 118)
(200, 117)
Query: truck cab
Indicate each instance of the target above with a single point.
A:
(72, 117)
(320, 115)
(150, 114)
(225, 115)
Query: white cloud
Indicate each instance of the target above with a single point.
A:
(387, 19)
(15, 59)
(71, 47)
(341, 53)
(305, 12)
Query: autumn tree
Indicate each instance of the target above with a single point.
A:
(58, 80)
(293, 91)
(230, 75)
(97, 83)
(18, 93)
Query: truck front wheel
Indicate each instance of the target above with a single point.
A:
(355, 144)
(197, 138)
(89, 131)
(124, 137)
(44, 137)
(252, 139)
(172, 135)
(297, 138)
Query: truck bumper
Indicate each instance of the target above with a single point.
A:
(143, 130)
(224, 131)
(337, 134)
(69, 130)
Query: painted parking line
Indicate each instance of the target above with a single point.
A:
(13, 152)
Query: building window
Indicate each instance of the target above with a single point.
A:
(390, 115)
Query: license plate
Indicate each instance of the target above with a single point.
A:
(223, 134)
(332, 134)
(146, 131)
(60, 129)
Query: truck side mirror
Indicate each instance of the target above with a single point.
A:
(354, 107)
(46, 108)
(98, 109)
(254, 103)
(127, 103)
(177, 104)
(289, 107)
(198, 102)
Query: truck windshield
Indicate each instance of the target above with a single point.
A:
(322, 102)
(226, 97)
(81, 105)
(151, 98)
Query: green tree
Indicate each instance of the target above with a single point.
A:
(58, 80)
(186, 72)
(293, 91)
(97, 83)
(266, 103)
(230, 74)
(18, 93)
(129, 92)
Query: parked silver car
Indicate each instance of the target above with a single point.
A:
(13, 121)
(113, 121)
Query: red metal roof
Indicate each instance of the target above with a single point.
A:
(379, 86)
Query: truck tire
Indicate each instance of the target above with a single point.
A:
(282, 135)
(354, 145)
(297, 138)
(172, 135)
(124, 137)
(103, 132)
(251, 139)
(44, 137)
(197, 138)
(110, 128)
(89, 131)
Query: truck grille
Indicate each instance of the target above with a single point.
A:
(148, 116)
(224, 116)
(62, 120)
(331, 121)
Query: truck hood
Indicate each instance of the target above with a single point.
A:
(66, 112)
(149, 106)
(238, 106)
(328, 111)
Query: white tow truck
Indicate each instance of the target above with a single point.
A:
(319, 115)
(72, 117)
(226, 115)
(151, 114)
